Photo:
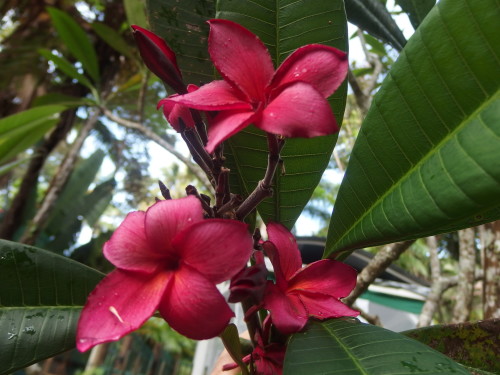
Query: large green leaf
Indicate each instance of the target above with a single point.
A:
(349, 348)
(284, 26)
(476, 344)
(416, 9)
(426, 160)
(373, 17)
(183, 25)
(113, 39)
(23, 129)
(76, 40)
(40, 302)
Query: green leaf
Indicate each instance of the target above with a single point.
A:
(9, 166)
(67, 68)
(285, 26)
(475, 345)
(183, 26)
(346, 347)
(40, 302)
(21, 130)
(76, 40)
(373, 17)
(113, 38)
(416, 10)
(61, 99)
(135, 10)
(232, 344)
(64, 223)
(426, 158)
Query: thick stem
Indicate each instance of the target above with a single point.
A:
(263, 189)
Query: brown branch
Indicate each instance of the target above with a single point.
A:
(57, 183)
(161, 142)
(381, 260)
(467, 265)
(432, 301)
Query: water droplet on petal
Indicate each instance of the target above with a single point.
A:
(304, 70)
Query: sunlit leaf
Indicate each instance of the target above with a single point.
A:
(426, 160)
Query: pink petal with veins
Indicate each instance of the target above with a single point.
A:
(240, 57)
(324, 67)
(225, 124)
(324, 306)
(286, 245)
(325, 276)
(287, 312)
(193, 306)
(214, 96)
(216, 248)
(167, 218)
(119, 304)
(128, 247)
(298, 111)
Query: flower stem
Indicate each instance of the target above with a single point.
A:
(263, 189)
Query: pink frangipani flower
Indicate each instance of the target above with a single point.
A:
(290, 101)
(169, 259)
(300, 293)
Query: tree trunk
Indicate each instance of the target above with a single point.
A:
(432, 301)
(465, 287)
(491, 279)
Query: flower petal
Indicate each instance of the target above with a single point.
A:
(325, 276)
(175, 111)
(128, 248)
(166, 218)
(287, 312)
(216, 248)
(159, 58)
(288, 251)
(119, 304)
(225, 124)
(323, 67)
(194, 307)
(240, 57)
(324, 306)
(214, 96)
(298, 111)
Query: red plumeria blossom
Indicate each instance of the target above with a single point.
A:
(290, 101)
(169, 259)
(301, 293)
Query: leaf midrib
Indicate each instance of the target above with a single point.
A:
(421, 162)
(347, 350)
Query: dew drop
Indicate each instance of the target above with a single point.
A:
(11, 335)
(304, 70)
(30, 330)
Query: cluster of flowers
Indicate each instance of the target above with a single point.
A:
(171, 257)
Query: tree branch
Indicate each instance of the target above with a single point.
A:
(381, 260)
(161, 142)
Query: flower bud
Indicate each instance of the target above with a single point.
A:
(159, 58)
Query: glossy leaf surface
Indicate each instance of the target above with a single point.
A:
(345, 347)
(426, 159)
(373, 17)
(476, 345)
(284, 26)
(183, 26)
(40, 303)
(416, 10)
